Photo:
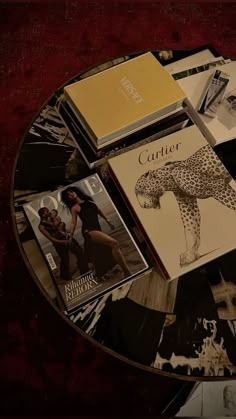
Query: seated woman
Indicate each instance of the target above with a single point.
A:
(104, 251)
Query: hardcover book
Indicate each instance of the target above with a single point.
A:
(120, 100)
(194, 59)
(94, 157)
(210, 399)
(200, 68)
(223, 125)
(182, 197)
(85, 243)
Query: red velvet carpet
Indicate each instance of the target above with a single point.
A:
(45, 367)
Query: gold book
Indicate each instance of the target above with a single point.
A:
(122, 99)
(182, 197)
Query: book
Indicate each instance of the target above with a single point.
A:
(178, 189)
(198, 69)
(123, 99)
(223, 126)
(193, 60)
(211, 399)
(101, 261)
(95, 158)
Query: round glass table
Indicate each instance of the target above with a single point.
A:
(185, 328)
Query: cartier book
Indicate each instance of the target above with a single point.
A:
(182, 197)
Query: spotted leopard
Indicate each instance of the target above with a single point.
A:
(200, 176)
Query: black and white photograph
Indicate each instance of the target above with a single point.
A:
(211, 399)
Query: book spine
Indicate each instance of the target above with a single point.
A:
(88, 130)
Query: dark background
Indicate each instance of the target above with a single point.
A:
(45, 366)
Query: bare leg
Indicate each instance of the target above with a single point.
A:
(100, 237)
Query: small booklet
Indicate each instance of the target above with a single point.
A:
(85, 243)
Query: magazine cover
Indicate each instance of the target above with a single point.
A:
(183, 198)
(85, 242)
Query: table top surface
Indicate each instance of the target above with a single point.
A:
(186, 327)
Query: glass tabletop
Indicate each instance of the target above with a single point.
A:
(184, 328)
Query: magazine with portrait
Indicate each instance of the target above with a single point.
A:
(84, 240)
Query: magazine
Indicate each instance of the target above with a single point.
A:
(84, 240)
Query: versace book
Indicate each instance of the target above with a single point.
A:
(123, 99)
(182, 197)
(219, 115)
(85, 243)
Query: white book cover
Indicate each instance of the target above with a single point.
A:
(190, 61)
(219, 399)
(183, 198)
(223, 125)
(216, 399)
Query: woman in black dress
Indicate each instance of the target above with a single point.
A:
(104, 250)
(62, 244)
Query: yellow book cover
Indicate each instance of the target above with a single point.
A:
(183, 198)
(117, 101)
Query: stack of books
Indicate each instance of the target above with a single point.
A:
(145, 123)
(120, 106)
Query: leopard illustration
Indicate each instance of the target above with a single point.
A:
(200, 176)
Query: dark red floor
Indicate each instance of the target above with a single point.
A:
(45, 367)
